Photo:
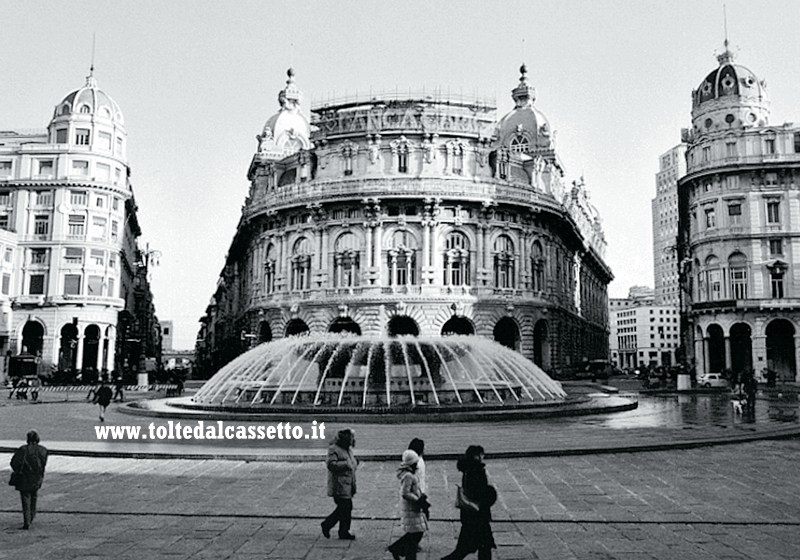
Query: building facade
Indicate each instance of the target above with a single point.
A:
(739, 232)
(71, 267)
(394, 215)
(644, 334)
(672, 166)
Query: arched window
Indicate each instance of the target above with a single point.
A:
(504, 263)
(348, 151)
(503, 166)
(455, 151)
(403, 259)
(85, 109)
(346, 261)
(301, 264)
(456, 260)
(269, 270)
(737, 264)
(713, 279)
(520, 144)
(537, 266)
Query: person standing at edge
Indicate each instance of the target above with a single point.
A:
(28, 465)
(342, 466)
(413, 503)
(476, 531)
(103, 398)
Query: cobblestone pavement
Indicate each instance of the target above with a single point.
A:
(737, 501)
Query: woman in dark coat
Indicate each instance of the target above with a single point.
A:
(342, 466)
(476, 530)
(28, 464)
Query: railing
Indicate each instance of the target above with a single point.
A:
(436, 95)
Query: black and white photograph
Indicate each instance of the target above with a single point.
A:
(365, 280)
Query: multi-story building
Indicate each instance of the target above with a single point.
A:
(413, 214)
(739, 229)
(70, 229)
(166, 336)
(672, 166)
(644, 334)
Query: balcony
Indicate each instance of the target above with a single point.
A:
(68, 299)
(29, 300)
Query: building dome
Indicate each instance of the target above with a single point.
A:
(288, 130)
(89, 101)
(733, 91)
(525, 129)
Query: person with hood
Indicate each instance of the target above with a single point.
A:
(413, 503)
(476, 530)
(342, 466)
(27, 467)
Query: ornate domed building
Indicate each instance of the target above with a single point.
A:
(739, 227)
(413, 214)
(75, 296)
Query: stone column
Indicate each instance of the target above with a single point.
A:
(727, 352)
(79, 361)
(368, 235)
(99, 362)
(436, 255)
(706, 353)
(376, 257)
(426, 253)
(112, 350)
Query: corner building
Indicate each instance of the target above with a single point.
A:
(739, 228)
(413, 214)
(71, 274)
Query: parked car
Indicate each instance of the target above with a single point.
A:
(711, 380)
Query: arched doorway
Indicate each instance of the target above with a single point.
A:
(32, 338)
(91, 347)
(780, 349)
(264, 332)
(402, 325)
(741, 348)
(67, 350)
(457, 325)
(506, 332)
(541, 345)
(344, 324)
(296, 327)
(715, 340)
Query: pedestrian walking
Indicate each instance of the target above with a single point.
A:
(103, 399)
(413, 503)
(418, 446)
(750, 386)
(27, 467)
(475, 499)
(118, 386)
(342, 465)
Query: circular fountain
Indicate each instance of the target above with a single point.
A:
(357, 373)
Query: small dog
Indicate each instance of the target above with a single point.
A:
(738, 406)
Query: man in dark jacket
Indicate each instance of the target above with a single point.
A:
(28, 464)
(103, 398)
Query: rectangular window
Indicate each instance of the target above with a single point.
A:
(115, 203)
(61, 136)
(41, 225)
(5, 169)
(94, 286)
(3, 221)
(38, 256)
(714, 285)
(9, 255)
(773, 212)
(112, 260)
(735, 214)
(114, 232)
(117, 174)
(769, 146)
(776, 246)
(78, 198)
(73, 255)
(44, 198)
(103, 172)
(72, 284)
(6, 284)
(80, 168)
(104, 139)
(82, 136)
(797, 142)
(76, 225)
(46, 167)
(730, 149)
(36, 285)
(111, 288)
(776, 283)
(711, 218)
(119, 147)
(98, 257)
(5, 198)
(98, 228)
(739, 283)
(706, 154)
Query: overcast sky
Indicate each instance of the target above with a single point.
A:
(197, 80)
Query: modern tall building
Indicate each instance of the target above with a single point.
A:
(672, 166)
(644, 334)
(739, 229)
(73, 285)
(413, 214)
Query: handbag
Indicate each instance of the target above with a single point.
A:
(462, 502)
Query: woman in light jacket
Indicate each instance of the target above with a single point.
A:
(342, 465)
(413, 502)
